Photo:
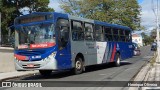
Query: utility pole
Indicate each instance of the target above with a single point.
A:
(0, 31)
(157, 20)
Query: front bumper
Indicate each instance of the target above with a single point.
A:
(49, 64)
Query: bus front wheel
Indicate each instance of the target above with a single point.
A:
(78, 69)
(45, 72)
(117, 62)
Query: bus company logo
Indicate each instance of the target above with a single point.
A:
(36, 57)
(6, 84)
(118, 47)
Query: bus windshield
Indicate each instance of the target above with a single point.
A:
(39, 36)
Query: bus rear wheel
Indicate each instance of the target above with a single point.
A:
(79, 66)
(45, 72)
(118, 59)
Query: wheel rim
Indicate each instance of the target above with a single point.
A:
(118, 60)
(78, 65)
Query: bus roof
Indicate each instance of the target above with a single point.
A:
(34, 13)
(111, 25)
(74, 18)
(99, 22)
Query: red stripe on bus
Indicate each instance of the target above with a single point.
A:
(113, 53)
(20, 57)
(42, 45)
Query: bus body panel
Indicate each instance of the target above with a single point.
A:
(102, 52)
(63, 56)
(86, 48)
(40, 58)
(90, 55)
(94, 52)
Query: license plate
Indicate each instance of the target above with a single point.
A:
(30, 65)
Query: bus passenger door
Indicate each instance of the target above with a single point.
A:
(64, 47)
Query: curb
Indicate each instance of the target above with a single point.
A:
(16, 74)
(142, 74)
(7, 48)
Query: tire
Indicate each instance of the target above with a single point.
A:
(117, 62)
(79, 66)
(45, 72)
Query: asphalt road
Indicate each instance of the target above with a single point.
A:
(126, 72)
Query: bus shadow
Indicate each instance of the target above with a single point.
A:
(64, 74)
(103, 66)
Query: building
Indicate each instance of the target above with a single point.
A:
(137, 39)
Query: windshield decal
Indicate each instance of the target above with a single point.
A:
(42, 45)
(22, 46)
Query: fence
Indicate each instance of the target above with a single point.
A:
(7, 41)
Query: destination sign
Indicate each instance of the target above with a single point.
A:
(32, 19)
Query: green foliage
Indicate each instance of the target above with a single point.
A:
(124, 12)
(10, 9)
(6, 10)
(35, 5)
(154, 33)
(147, 39)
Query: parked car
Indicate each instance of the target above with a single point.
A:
(154, 47)
(136, 49)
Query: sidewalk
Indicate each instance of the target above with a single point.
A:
(149, 73)
(14, 74)
(7, 68)
(7, 48)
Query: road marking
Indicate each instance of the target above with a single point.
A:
(150, 88)
(147, 56)
(102, 74)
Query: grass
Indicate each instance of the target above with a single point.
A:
(153, 59)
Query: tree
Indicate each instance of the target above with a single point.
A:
(153, 33)
(124, 12)
(35, 5)
(147, 39)
(6, 10)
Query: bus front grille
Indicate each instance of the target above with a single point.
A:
(34, 66)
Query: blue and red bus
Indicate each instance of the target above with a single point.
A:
(51, 41)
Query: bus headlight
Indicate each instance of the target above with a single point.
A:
(53, 54)
(50, 56)
(17, 59)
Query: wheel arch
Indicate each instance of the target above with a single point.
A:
(118, 52)
(80, 55)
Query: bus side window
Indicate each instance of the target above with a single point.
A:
(88, 31)
(99, 33)
(77, 31)
(115, 34)
(108, 34)
(122, 35)
(63, 32)
(127, 36)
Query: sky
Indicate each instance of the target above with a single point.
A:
(55, 4)
(147, 16)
